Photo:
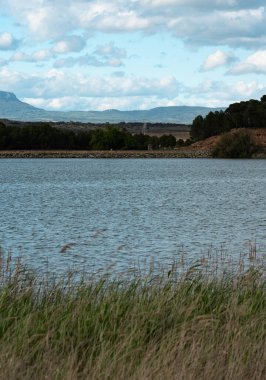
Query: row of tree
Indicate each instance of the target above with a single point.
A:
(44, 136)
(248, 114)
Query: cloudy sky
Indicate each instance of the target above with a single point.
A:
(132, 54)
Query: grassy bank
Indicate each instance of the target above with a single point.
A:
(152, 327)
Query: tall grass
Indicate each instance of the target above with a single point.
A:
(169, 326)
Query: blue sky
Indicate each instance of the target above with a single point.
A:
(132, 54)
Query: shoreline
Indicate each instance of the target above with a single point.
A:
(177, 153)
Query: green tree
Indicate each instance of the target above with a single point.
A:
(167, 141)
(197, 128)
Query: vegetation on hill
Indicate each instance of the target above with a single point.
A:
(239, 144)
(248, 114)
(43, 136)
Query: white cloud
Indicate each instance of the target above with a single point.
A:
(203, 4)
(110, 50)
(212, 94)
(56, 84)
(88, 60)
(248, 88)
(70, 44)
(3, 62)
(255, 63)
(41, 55)
(101, 104)
(221, 27)
(112, 15)
(118, 74)
(47, 20)
(103, 56)
(57, 89)
(20, 56)
(220, 93)
(7, 41)
(201, 22)
(217, 59)
(37, 56)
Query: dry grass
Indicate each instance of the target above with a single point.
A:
(168, 326)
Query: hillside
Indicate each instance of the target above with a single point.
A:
(10, 105)
(208, 144)
(12, 108)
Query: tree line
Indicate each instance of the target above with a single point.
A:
(44, 136)
(246, 114)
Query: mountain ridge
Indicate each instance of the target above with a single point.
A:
(14, 109)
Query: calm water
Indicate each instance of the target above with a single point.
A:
(119, 212)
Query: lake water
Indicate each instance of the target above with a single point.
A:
(117, 212)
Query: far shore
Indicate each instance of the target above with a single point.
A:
(176, 153)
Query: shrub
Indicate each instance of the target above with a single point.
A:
(239, 144)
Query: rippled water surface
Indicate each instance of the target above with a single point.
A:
(117, 212)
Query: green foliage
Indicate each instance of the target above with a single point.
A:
(43, 136)
(249, 114)
(213, 124)
(188, 142)
(239, 144)
(167, 141)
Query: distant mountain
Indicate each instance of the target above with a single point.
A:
(12, 108)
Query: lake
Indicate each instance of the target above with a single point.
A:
(110, 213)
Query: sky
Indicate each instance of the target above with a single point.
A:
(132, 54)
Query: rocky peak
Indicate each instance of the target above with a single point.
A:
(8, 96)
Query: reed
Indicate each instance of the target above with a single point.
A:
(155, 326)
